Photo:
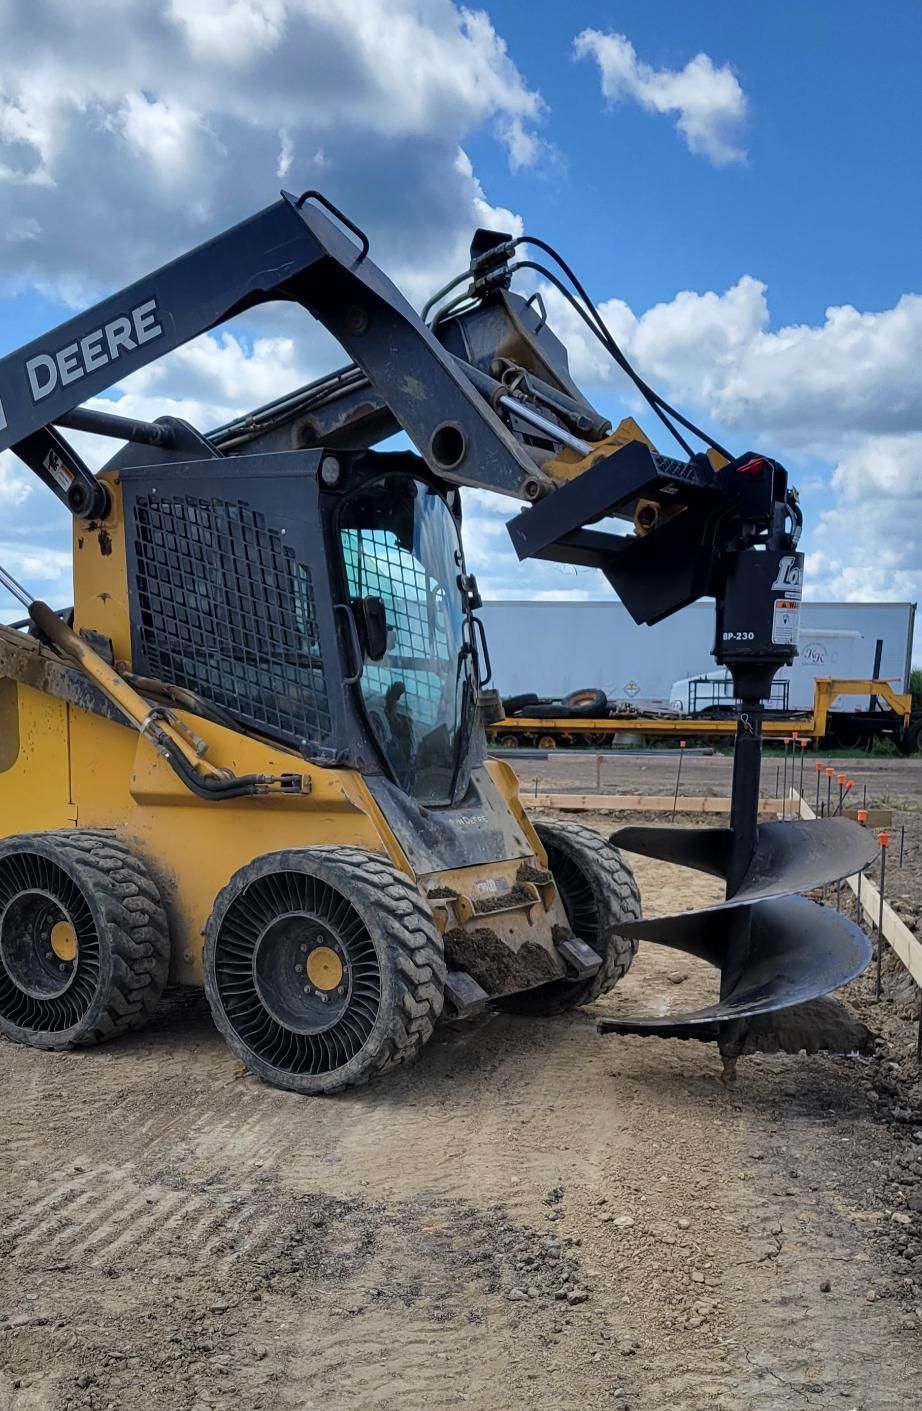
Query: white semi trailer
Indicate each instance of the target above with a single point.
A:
(553, 648)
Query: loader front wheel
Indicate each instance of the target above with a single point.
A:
(598, 891)
(84, 945)
(323, 967)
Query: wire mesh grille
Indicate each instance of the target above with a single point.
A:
(226, 610)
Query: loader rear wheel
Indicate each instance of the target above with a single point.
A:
(84, 945)
(323, 967)
(598, 891)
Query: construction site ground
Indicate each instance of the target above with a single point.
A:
(532, 1216)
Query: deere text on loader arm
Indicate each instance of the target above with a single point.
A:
(254, 757)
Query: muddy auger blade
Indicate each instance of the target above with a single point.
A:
(778, 953)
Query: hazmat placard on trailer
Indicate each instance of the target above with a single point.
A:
(785, 622)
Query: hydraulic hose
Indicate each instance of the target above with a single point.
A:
(200, 777)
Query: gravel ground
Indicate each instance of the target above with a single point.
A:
(531, 1216)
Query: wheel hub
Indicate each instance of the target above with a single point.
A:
(63, 941)
(301, 973)
(38, 945)
(324, 968)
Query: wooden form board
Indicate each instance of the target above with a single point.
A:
(636, 803)
(896, 933)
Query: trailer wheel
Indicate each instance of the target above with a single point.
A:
(848, 739)
(323, 967)
(547, 742)
(913, 738)
(598, 892)
(84, 945)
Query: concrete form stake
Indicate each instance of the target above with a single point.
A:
(678, 776)
(863, 820)
(883, 839)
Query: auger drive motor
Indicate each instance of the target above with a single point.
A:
(253, 755)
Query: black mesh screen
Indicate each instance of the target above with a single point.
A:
(226, 610)
(418, 651)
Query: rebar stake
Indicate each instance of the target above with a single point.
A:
(862, 819)
(884, 840)
(678, 776)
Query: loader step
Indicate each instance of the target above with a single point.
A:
(465, 996)
(580, 959)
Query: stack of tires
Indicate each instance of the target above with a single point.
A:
(588, 704)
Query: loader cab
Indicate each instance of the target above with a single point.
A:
(320, 601)
(403, 565)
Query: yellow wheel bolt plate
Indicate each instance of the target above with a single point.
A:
(324, 969)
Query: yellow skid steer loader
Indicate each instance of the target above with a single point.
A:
(253, 757)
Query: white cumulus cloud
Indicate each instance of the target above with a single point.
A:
(709, 104)
(151, 124)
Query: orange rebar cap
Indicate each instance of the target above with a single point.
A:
(843, 778)
(862, 816)
(820, 766)
(884, 839)
(830, 771)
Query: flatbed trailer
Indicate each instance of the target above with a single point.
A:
(889, 717)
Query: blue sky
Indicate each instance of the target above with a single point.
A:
(825, 209)
(721, 175)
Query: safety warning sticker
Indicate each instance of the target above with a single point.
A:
(786, 622)
(59, 472)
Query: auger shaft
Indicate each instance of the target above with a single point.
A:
(744, 823)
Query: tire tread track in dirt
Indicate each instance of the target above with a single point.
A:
(531, 1216)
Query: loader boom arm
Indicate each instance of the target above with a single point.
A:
(290, 251)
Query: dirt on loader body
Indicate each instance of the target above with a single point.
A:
(531, 1216)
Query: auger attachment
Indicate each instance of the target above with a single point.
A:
(778, 953)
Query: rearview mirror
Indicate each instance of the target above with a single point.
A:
(371, 621)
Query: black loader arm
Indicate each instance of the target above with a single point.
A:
(290, 251)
